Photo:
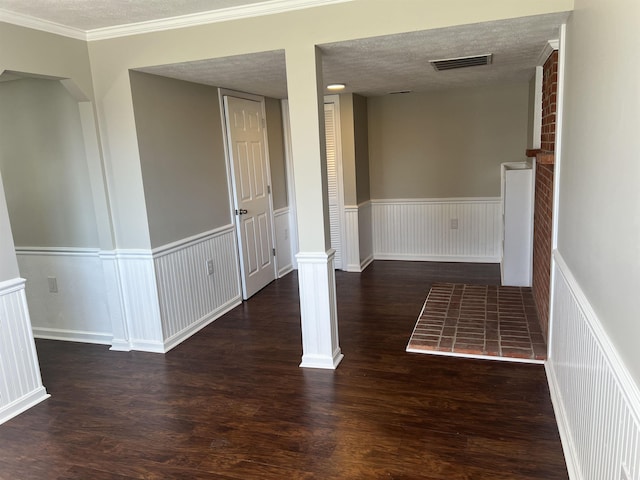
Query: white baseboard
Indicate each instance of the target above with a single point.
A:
(22, 404)
(596, 401)
(72, 335)
(435, 258)
(285, 270)
(366, 262)
(195, 327)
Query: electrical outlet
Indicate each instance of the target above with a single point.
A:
(286, 234)
(210, 267)
(454, 224)
(53, 284)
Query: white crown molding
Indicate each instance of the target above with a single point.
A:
(232, 13)
(549, 48)
(222, 15)
(42, 25)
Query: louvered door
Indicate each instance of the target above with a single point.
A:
(333, 180)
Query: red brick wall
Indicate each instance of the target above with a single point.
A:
(549, 94)
(543, 213)
(543, 217)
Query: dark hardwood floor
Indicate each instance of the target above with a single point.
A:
(232, 403)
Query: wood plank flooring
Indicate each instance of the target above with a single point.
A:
(232, 403)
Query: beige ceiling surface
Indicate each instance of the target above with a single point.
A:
(92, 14)
(379, 65)
(372, 66)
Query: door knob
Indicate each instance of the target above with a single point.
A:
(242, 211)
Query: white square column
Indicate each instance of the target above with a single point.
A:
(316, 274)
(316, 277)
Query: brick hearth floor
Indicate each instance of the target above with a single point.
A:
(479, 321)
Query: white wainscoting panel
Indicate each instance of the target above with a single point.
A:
(597, 403)
(189, 297)
(421, 229)
(78, 311)
(284, 258)
(365, 234)
(20, 381)
(351, 243)
(318, 310)
(140, 300)
(113, 295)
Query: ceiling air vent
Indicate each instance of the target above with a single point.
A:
(461, 62)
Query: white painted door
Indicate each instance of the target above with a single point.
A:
(333, 181)
(250, 169)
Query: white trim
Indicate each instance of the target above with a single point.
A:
(202, 18)
(59, 251)
(23, 404)
(188, 241)
(318, 311)
(281, 211)
(435, 258)
(430, 201)
(335, 100)
(559, 125)
(284, 261)
(614, 360)
(550, 47)
(130, 253)
(72, 335)
(291, 186)
(537, 109)
(42, 25)
(222, 15)
(478, 357)
(605, 384)
(11, 286)
(420, 229)
(195, 327)
(564, 429)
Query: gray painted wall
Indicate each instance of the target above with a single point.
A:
(599, 217)
(43, 162)
(8, 262)
(361, 144)
(447, 143)
(277, 162)
(182, 157)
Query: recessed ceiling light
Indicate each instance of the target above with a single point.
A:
(336, 86)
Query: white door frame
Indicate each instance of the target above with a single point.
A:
(335, 99)
(231, 181)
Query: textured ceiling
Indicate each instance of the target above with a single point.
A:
(371, 66)
(261, 73)
(379, 65)
(92, 14)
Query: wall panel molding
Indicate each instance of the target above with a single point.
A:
(284, 258)
(78, 310)
(140, 300)
(422, 229)
(20, 382)
(596, 401)
(188, 297)
(318, 311)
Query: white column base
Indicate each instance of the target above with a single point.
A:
(317, 284)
